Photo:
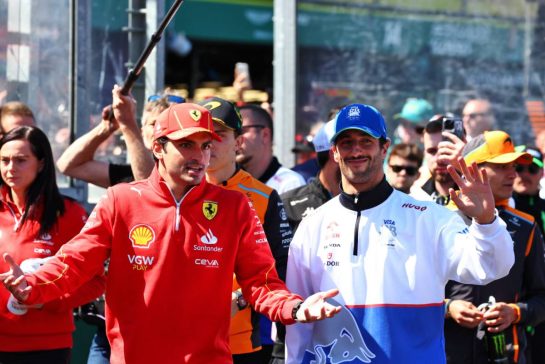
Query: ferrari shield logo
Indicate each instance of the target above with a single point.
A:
(209, 209)
(195, 114)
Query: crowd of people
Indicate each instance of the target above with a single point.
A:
(426, 247)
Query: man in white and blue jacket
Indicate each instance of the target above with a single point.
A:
(389, 255)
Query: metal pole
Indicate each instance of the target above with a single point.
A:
(78, 100)
(155, 66)
(136, 31)
(285, 96)
(527, 48)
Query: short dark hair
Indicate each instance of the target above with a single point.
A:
(322, 158)
(334, 111)
(409, 151)
(434, 125)
(261, 115)
(44, 190)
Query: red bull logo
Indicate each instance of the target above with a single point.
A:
(339, 340)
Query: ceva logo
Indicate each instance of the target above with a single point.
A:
(213, 263)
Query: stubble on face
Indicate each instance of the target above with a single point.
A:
(441, 177)
(243, 159)
(362, 167)
(364, 174)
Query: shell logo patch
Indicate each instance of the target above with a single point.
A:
(209, 209)
(142, 236)
(195, 114)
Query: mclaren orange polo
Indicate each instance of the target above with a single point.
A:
(169, 283)
(244, 332)
(51, 326)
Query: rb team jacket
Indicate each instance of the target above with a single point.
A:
(390, 256)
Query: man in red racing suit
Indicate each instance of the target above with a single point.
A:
(174, 242)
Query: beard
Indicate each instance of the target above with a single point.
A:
(361, 176)
(243, 159)
(443, 178)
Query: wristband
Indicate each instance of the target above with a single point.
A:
(295, 309)
(517, 312)
(448, 301)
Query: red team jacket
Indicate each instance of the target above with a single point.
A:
(51, 326)
(168, 292)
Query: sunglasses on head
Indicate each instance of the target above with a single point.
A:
(175, 99)
(410, 170)
(531, 168)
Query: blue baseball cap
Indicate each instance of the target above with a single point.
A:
(360, 117)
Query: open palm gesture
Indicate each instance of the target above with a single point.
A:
(475, 197)
(316, 308)
(14, 280)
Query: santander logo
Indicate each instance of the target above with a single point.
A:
(209, 238)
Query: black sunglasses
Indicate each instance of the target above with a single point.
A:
(410, 170)
(531, 168)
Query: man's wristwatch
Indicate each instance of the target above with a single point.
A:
(295, 309)
(241, 301)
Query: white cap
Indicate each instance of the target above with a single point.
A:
(322, 138)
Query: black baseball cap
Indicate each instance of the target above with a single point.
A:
(435, 124)
(537, 156)
(223, 112)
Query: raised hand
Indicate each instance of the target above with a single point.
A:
(475, 197)
(109, 124)
(124, 107)
(465, 313)
(15, 281)
(451, 150)
(315, 307)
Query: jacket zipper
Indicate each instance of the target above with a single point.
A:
(355, 252)
(17, 220)
(178, 204)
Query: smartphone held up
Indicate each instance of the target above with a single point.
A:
(453, 125)
(242, 74)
